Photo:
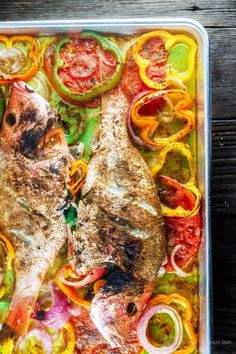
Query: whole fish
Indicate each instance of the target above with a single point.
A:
(34, 171)
(120, 223)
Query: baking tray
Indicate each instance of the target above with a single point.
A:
(193, 28)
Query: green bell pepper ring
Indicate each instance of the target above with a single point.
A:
(99, 89)
(91, 125)
(4, 306)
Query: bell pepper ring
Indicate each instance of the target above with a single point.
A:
(81, 167)
(71, 293)
(96, 89)
(79, 280)
(33, 55)
(190, 185)
(70, 338)
(147, 125)
(183, 234)
(54, 140)
(187, 320)
(170, 41)
(10, 255)
(8, 346)
(98, 285)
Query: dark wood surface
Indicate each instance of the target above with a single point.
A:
(219, 17)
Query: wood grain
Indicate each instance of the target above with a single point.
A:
(217, 13)
(220, 19)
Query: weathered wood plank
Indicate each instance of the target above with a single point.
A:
(217, 13)
(224, 283)
(223, 54)
(224, 166)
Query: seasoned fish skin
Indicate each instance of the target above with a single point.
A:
(33, 191)
(119, 222)
(119, 219)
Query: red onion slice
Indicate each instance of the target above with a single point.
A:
(41, 336)
(177, 269)
(58, 314)
(134, 137)
(143, 324)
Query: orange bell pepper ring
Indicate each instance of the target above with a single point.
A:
(16, 70)
(178, 103)
(71, 293)
(80, 167)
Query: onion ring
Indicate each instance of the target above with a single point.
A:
(142, 329)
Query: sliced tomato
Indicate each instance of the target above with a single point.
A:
(154, 51)
(132, 83)
(79, 70)
(180, 231)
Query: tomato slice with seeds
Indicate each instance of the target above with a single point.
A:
(154, 51)
(132, 83)
(82, 69)
(180, 231)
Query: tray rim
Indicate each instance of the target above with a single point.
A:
(163, 22)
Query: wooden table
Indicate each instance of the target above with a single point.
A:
(219, 18)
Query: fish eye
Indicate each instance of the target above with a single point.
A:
(131, 309)
(10, 119)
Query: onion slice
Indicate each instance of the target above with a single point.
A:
(41, 85)
(58, 314)
(11, 60)
(85, 279)
(82, 67)
(143, 324)
(177, 269)
(134, 137)
(42, 336)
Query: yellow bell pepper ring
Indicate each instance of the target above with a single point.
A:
(71, 340)
(8, 346)
(9, 249)
(9, 260)
(186, 315)
(170, 41)
(190, 185)
(32, 57)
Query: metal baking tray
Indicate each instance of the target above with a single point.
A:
(196, 30)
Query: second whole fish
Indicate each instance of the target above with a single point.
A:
(120, 223)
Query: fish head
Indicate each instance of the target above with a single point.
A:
(27, 118)
(117, 307)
